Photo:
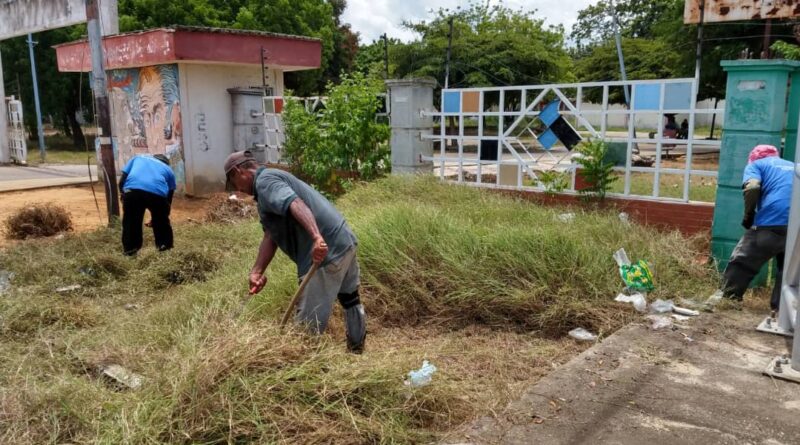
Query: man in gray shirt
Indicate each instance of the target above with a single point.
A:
(308, 228)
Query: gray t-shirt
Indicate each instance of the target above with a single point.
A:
(275, 190)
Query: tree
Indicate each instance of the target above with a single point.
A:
(660, 22)
(492, 45)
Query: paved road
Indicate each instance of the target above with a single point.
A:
(45, 175)
(655, 387)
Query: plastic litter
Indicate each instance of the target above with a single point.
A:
(233, 197)
(625, 218)
(5, 280)
(678, 317)
(621, 257)
(659, 322)
(422, 376)
(581, 334)
(121, 377)
(566, 217)
(685, 311)
(662, 307)
(638, 300)
(66, 289)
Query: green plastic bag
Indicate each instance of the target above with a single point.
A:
(637, 276)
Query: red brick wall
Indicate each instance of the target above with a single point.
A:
(688, 218)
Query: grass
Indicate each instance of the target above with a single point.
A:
(483, 286)
(670, 186)
(60, 150)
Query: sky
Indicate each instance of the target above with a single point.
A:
(371, 18)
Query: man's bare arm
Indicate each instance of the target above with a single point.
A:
(266, 251)
(302, 214)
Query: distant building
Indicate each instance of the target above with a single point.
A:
(193, 94)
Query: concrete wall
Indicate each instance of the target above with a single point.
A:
(208, 120)
(649, 120)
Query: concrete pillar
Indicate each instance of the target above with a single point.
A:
(755, 113)
(409, 98)
(5, 152)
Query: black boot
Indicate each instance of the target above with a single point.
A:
(355, 322)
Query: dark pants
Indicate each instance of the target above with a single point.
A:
(134, 203)
(756, 247)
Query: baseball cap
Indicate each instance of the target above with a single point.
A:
(761, 152)
(238, 158)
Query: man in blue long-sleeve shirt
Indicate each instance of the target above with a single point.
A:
(147, 183)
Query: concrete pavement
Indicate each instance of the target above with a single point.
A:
(14, 177)
(655, 387)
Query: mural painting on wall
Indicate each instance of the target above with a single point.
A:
(146, 115)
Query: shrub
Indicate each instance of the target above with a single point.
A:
(598, 173)
(38, 220)
(344, 141)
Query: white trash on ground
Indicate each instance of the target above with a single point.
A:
(122, 377)
(566, 217)
(625, 218)
(581, 334)
(659, 322)
(638, 300)
(5, 280)
(662, 306)
(422, 376)
(621, 257)
(66, 289)
(685, 311)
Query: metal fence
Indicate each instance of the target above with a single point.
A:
(16, 131)
(497, 137)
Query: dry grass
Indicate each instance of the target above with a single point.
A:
(480, 285)
(38, 220)
(223, 209)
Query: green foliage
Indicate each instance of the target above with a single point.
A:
(786, 50)
(343, 141)
(644, 59)
(553, 181)
(597, 172)
(492, 45)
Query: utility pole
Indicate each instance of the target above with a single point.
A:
(5, 149)
(699, 54)
(449, 47)
(100, 90)
(385, 56)
(36, 102)
(618, 38)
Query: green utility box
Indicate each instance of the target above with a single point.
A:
(755, 113)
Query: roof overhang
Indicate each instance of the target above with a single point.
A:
(195, 45)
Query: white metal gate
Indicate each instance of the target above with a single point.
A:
(16, 131)
(494, 137)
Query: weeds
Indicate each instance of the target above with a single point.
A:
(479, 284)
(38, 220)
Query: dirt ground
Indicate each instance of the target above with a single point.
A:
(81, 203)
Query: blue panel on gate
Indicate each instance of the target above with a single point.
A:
(678, 96)
(647, 97)
(548, 139)
(452, 102)
(550, 113)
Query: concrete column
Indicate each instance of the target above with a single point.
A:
(409, 98)
(5, 152)
(755, 113)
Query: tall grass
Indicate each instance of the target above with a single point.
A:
(482, 285)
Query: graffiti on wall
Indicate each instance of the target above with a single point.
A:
(146, 115)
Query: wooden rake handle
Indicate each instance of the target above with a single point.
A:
(298, 294)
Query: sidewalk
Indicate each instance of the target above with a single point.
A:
(14, 177)
(654, 387)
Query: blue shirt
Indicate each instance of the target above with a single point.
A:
(776, 176)
(149, 174)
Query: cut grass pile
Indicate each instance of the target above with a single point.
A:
(481, 285)
(223, 209)
(38, 220)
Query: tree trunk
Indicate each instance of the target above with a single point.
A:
(77, 132)
(65, 127)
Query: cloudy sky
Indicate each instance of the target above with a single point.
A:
(371, 18)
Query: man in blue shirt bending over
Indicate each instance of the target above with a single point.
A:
(147, 183)
(767, 186)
